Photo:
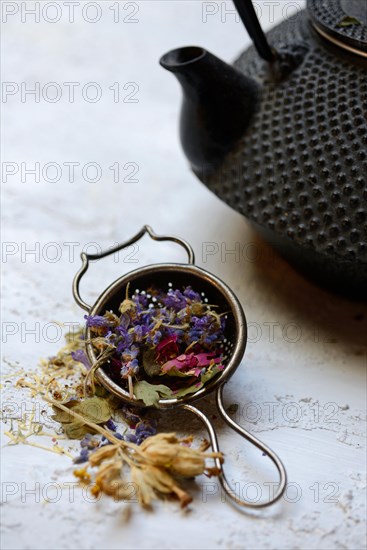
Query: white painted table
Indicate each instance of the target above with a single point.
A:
(301, 386)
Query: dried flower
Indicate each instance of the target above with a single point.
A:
(109, 481)
(82, 475)
(168, 451)
(151, 481)
(81, 357)
(156, 461)
(174, 335)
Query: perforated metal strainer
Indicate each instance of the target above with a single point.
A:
(213, 291)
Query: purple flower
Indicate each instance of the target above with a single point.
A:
(85, 442)
(191, 294)
(153, 337)
(140, 300)
(205, 329)
(209, 339)
(97, 321)
(131, 438)
(130, 416)
(111, 425)
(81, 357)
(130, 363)
(157, 338)
(130, 354)
(146, 319)
(130, 368)
(125, 340)
(124, 322)
(138, 333)
(82, 457)
(174, 299)
(145, 429)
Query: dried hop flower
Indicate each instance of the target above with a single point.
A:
(150, 481)
(166, 450)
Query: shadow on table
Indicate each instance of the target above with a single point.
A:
(344, 321)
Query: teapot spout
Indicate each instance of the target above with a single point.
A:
(218, 103)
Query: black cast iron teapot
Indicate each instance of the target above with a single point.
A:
(282, 135)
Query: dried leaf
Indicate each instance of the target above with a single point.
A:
(95, 409)
(62, 416)
(76, 430)
(186, 391)
(349, 21)
(209, 374)
(151, 393)
(204, 378)
(150, 365)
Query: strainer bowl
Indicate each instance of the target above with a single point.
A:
(164, 276)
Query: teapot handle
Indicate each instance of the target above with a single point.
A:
(230, 493)
(249, 17)
(86, 258)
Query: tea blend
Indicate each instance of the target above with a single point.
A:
(163, 344)
(121, 454)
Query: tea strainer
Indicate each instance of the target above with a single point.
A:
(213, 291)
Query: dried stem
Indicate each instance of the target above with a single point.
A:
(103, 431)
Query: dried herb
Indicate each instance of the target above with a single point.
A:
(232, 408)
(154, 464)
(137, 462)
(162, 345)
(151, 393)
(349, 21)
(95, 409)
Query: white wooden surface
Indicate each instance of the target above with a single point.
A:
(301, 386)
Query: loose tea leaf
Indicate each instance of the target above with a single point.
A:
(198, 385)
(186, 391)
(76, 429)
(95, 409)
(150, 394)
(150, 365)
(349, 21)
(64, 416)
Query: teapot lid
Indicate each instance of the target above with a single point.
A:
(343, 22)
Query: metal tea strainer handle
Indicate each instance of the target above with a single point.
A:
(86, 258)
(234, 498)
